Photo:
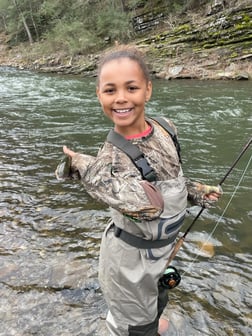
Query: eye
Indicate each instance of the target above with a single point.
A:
(132, 88)
(109, 90)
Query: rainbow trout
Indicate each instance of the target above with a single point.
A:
(64, 169)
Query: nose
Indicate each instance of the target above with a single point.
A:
(121, 97)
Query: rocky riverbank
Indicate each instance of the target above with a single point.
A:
(210, 46)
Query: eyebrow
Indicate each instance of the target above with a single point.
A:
(128, 82)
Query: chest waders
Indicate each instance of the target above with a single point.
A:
(171, 277)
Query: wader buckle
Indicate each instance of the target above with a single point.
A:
(143, 166)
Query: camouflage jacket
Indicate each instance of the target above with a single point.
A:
(113, 179)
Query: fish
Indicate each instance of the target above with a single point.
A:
(207, 247)
(63, 170)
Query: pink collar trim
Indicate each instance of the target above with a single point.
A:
(140, 135)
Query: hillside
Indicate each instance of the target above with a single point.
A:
(214, 43)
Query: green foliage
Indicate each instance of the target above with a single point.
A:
(77, 26)
(194, 4)
(4, 4)
(113, 24)
(134, 4)
(56, 9)
(73, 38)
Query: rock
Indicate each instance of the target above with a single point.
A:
(242, 76)
(233, 75)
(225, 75)
(175, 70)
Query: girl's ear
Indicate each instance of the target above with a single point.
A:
(148, 91)
(98, 92)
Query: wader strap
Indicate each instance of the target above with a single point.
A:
(140, 242)
(133, 152)
(162, 122)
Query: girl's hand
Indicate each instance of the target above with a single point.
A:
(213, 196)
(65, 170)
(68, 151)
(213, 193)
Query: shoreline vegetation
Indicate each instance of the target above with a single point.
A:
(216, 45)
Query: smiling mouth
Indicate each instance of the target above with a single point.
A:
(123, 111)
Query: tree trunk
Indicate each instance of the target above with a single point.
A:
(24, 22)
(3, 17)
(124, 7)
(34, 23)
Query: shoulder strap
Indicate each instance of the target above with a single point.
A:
(162, 122)
(133, 152)
(136, 156)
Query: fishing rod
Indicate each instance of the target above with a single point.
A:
(171, 278)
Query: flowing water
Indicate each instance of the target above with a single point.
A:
(50, 231)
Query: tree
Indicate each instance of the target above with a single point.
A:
(23, 18)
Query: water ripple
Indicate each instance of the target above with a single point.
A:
(50, 232)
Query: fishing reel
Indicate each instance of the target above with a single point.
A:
(170, 279)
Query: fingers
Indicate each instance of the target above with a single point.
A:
(68, 151)
(213, 196)
(212, 193)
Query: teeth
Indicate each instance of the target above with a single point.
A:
(123, 110)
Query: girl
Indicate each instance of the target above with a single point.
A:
(146, 215)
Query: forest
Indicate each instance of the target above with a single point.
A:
(204, 39)
(84, 26)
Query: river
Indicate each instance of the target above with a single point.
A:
(50, 231)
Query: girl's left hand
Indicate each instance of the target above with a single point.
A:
(213, 193)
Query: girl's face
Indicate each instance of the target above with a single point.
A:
(122, 91)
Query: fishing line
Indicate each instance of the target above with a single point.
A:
(220, 218)
(171, 277)
(182, 239)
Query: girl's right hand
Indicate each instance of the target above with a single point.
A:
(64, 169)
(68, 151)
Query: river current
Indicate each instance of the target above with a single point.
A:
(50, 231)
